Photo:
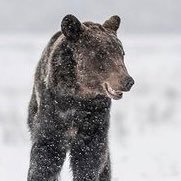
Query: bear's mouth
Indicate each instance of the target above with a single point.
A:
(112, 93)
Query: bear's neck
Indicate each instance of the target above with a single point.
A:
(99, 102)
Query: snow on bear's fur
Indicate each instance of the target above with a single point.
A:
(80, 71)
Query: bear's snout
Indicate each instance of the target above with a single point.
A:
(115, 87)
(128, 83)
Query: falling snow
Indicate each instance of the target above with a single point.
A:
(145, 124)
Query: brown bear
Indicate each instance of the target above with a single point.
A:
(80, 71)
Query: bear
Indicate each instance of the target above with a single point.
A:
(80, 71)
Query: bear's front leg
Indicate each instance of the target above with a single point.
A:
(89, 156)
(49, 144)
(47, 157)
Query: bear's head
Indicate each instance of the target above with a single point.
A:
(98, 56)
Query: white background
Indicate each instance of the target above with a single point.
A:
(145, 128)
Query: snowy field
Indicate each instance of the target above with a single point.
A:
(145, 134)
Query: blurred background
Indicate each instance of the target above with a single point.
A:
(145, 133)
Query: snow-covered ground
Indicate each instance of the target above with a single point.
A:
(145, 134)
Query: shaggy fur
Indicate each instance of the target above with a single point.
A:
(79, 72)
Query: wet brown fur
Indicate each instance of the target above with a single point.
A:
(70, 104)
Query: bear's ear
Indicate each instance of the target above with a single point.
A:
(71, 27)
(112, 23)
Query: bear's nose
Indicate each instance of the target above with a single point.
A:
(128, 83)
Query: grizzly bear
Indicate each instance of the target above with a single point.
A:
(80, 71)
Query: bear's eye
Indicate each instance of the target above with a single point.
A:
(101, 68)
